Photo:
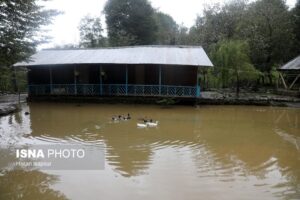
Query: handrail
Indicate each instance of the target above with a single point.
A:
(114, 90)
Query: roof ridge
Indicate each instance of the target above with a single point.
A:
(127, 47)
(164, 55)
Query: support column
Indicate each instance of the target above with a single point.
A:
(100, 73)
(198, 86)
(51, 81)
(283, 81)
(159, 80)
(75, 81)
(295, 80)
(126, 79)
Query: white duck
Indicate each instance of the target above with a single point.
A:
(152, 124)
(140, 125)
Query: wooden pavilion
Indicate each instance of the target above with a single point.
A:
(163, 71)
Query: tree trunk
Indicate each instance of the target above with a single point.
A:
(237, 84)
(14, 79)
(258, 81)
(207, 82)
(270, 78)
(204, 81)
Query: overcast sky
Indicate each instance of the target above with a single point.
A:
(64, 29)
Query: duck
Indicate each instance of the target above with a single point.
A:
(115, 118)
(145, 120)
(140, 125)
(152, 124)
(127, 118)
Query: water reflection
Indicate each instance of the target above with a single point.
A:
(28, 185)
(228, 150)
(243, 144)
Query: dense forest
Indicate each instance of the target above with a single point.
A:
(245, 41)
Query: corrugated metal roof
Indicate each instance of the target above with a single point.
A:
(165, 55)
(292, 65)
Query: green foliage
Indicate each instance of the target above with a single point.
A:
(232, 62)
(208, 78)
(267, 25)
(6, 80)
(218, 23)
(213, 80)
(182, 37)
(135, 22)
(296, 27)
(238, 33)
(20, 23)
(130, 22)
(21, 76)
(166, 29)
(169, 32)
(268, 29)
(91, 32)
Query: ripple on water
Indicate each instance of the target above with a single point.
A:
(203, 157)
(48, 140)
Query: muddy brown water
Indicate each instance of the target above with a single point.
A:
(210, 152)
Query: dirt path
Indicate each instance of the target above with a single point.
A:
(216, 98)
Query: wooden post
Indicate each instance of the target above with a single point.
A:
(295, 80)
(100, 73)
(159, 80)
(277, 84)
(51, 82)
(283, 81)
(126, 79)
(75, 81)
(197, 87)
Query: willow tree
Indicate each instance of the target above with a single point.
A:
(232, 61)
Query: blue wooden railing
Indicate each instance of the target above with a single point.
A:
(114, 90)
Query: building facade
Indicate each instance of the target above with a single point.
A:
(162, 71)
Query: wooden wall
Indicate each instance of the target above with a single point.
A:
(115, 74)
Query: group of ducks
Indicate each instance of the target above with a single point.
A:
(146, 122)
(121, 118)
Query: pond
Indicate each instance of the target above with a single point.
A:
(209, 152)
